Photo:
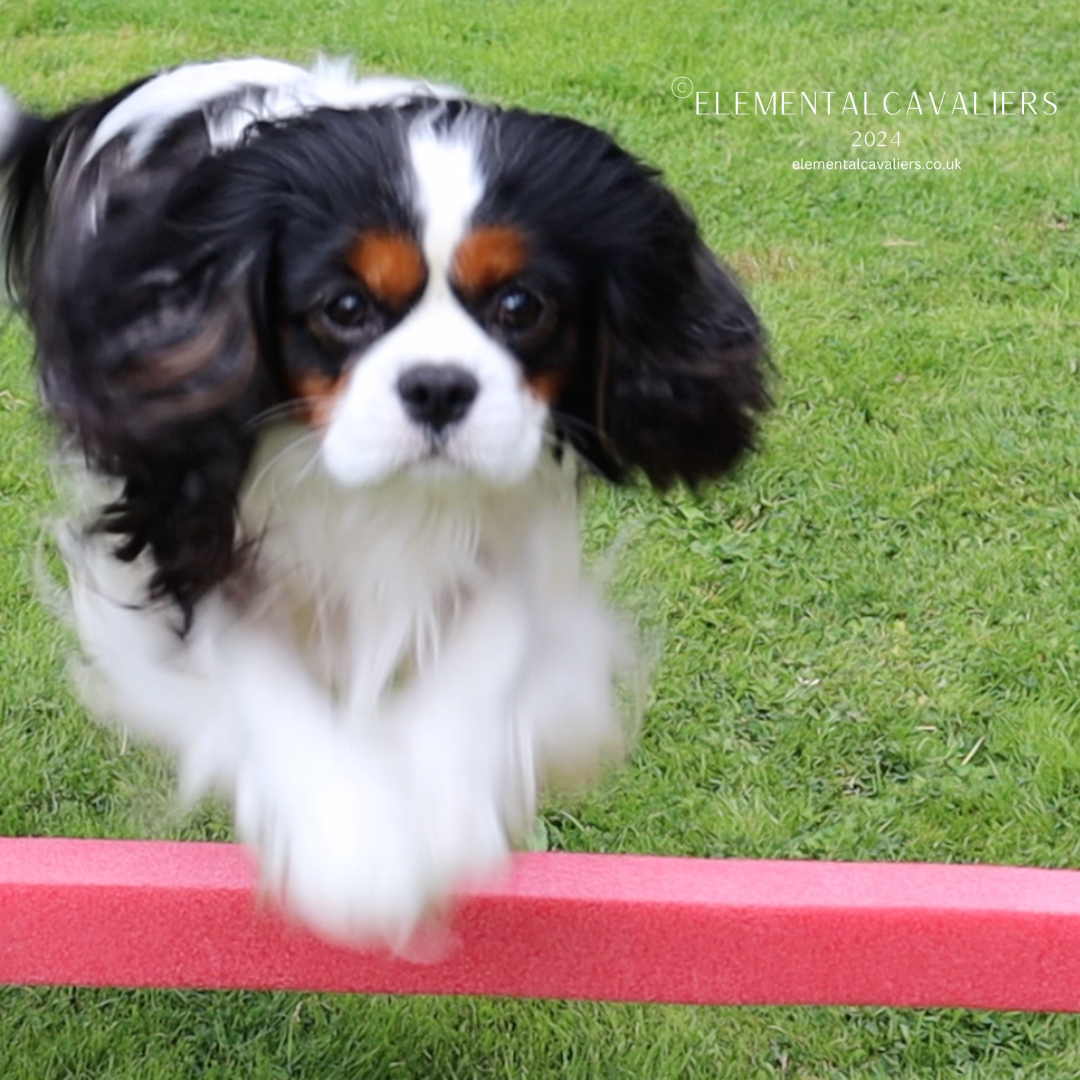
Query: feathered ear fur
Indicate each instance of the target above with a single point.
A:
(680, 357)
(671, 373)
(144, 316)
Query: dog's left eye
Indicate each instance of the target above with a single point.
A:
(518, 309)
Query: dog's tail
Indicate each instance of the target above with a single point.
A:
(11, 120)
(24, 153)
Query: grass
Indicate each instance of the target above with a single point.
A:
(871, 644)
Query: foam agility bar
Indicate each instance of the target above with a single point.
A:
(624, 928)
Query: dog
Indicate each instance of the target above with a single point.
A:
(331, 357)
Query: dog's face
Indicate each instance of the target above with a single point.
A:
(438, 289)
(418, 337)
(474, 284)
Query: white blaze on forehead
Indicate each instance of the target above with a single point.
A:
(449, 187)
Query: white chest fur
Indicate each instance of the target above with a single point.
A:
(413, 663)
(374, 580)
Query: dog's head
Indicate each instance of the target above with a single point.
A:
(439, 289)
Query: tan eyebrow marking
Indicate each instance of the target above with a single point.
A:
(487, 257)
(390, 265)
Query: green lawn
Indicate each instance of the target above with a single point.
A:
(871, 638)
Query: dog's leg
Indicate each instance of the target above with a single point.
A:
(565, 705)
(519, 697)
(331, 814)
(360, 830)
(471, 775)
(328, 812)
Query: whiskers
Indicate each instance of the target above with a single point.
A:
(301, 441)
(293, 409)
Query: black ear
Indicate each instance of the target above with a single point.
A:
(169, 374)
(669, 373)
(145, 301)
(680, 354)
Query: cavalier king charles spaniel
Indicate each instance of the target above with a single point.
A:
(331, 355)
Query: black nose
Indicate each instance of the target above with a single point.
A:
(437, 395)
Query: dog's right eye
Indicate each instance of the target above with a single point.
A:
(348, 310)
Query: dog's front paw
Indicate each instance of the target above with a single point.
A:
(332, 846)
(355, 849)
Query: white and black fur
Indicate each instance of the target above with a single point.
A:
(334, 352)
